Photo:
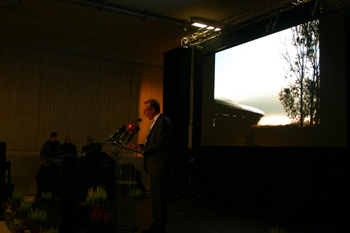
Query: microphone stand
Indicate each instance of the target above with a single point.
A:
(106, 159)
(94, 148)
(118, 149)
(189, 191)
(114, 153)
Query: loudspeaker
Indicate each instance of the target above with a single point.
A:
(176, 93)
(2, 163)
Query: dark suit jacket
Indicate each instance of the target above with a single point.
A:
(159, 154)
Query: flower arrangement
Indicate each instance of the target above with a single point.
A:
(35, 221)
(23, 211)
(50, 230)
(13, 204)
(137, 193)
(46, 197)
(276, 230)
(97, 200)
(22, 216)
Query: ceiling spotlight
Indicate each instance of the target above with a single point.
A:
(210, 27)
(200, 25)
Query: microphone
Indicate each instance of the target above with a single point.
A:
(131, 126)
(120, 131)
(137, 129)
(128, 139)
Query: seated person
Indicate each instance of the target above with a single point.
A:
(48, 176)
(68, 147)
(88, 147)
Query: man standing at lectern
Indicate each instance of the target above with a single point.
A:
(158, 157)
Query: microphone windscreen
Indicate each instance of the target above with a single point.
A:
(131, 126)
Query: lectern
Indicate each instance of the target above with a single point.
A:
(125, 181)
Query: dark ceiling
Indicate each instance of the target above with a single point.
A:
(151, 26)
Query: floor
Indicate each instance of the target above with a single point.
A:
(190, 214)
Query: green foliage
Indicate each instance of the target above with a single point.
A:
(276, 230)
(13, 203)
(23, 210)
(35, 221)
(37, 216)
(137, 193)
(50, 230)
(97, 200)
(26, 206)
(46, 196)
(301, 98)
(16, 198)
(98, 196)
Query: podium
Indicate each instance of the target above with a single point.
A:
(126, 184)
(122, 209)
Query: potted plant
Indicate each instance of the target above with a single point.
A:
(276, 230)
(24, 209)
(21, 215)
(11, 206)
(137, 193)
(50, 230)
(14, 202)
(98, 202)
(35, 222)
(46, 198)
(50, 204)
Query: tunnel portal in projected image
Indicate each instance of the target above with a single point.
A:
(233, 120)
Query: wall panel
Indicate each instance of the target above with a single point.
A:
(76, 95)
(19, 94)
(44, 90)
(151, 87)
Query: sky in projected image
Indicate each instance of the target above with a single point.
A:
(253, 74)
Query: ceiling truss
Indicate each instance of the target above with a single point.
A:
(268, 11)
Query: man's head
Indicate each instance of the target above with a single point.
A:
(53, 136)
(67, 139)
(151, 108)
(89, 140)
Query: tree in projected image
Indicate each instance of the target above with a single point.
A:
(300, 98)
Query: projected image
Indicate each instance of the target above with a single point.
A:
(274, 76)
